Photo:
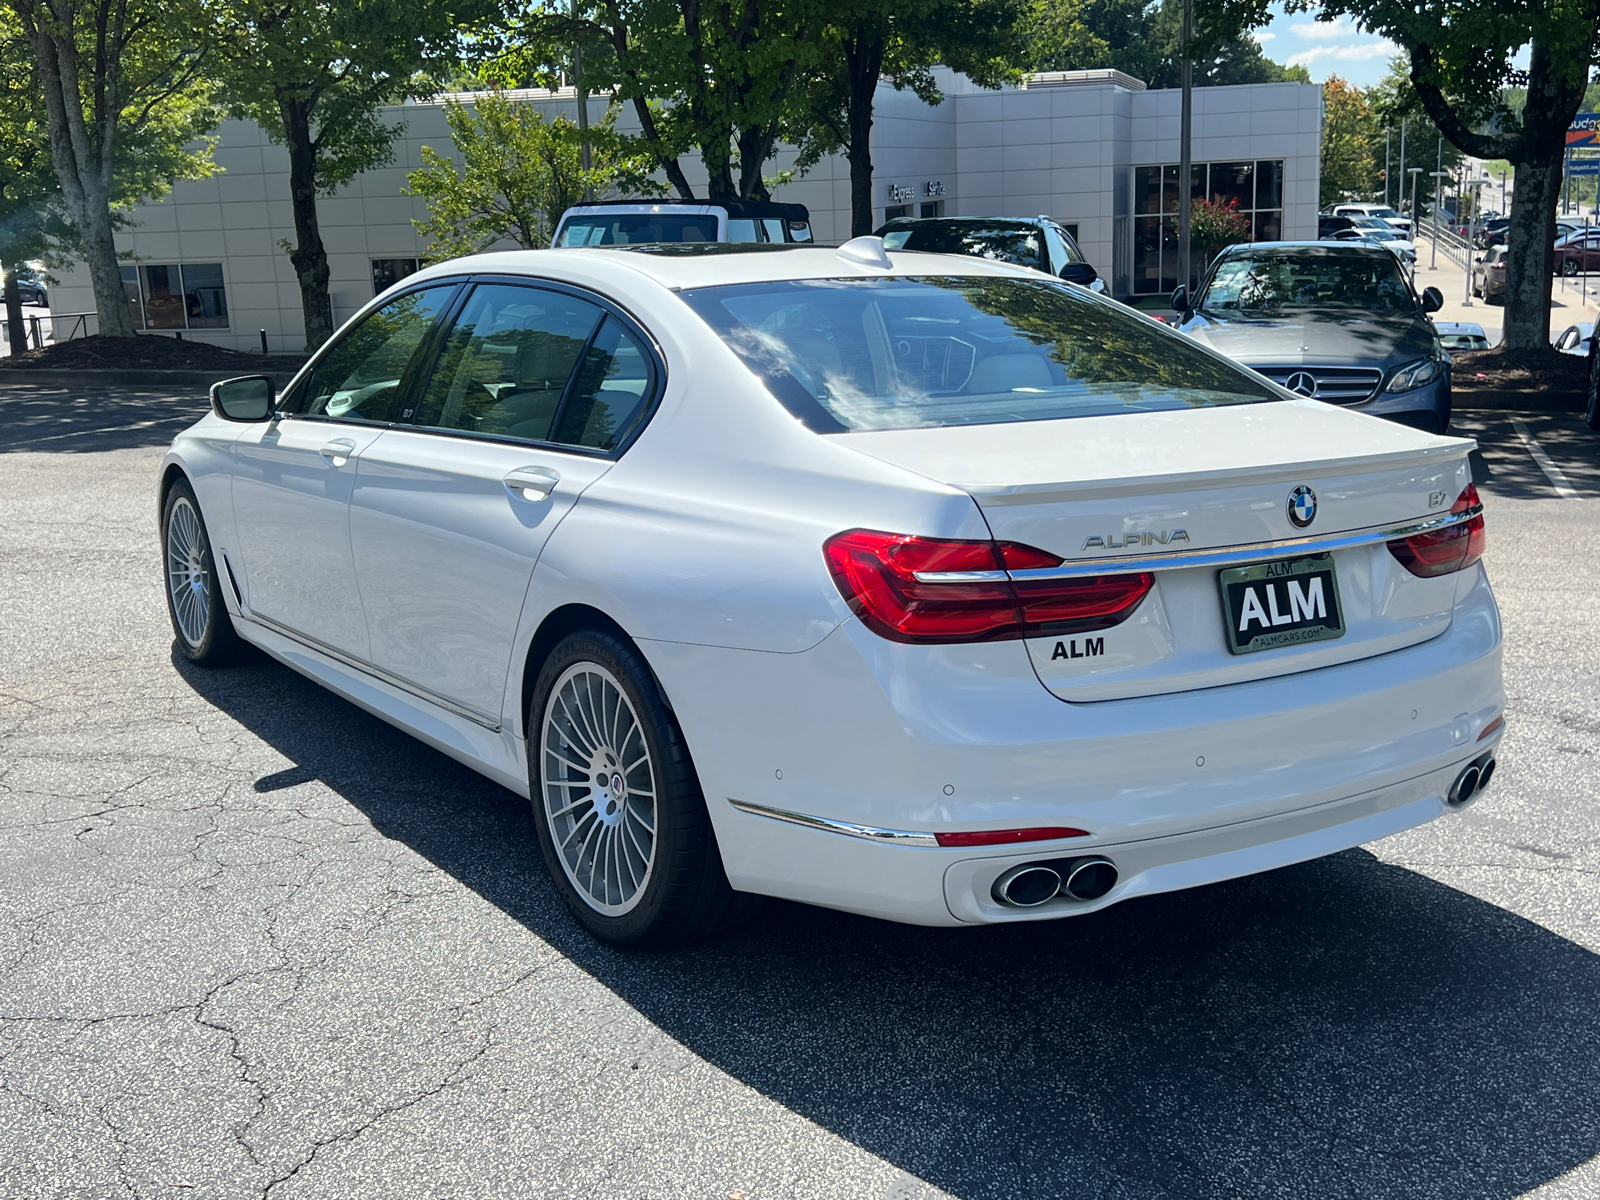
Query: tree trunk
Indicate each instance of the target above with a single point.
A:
(1530, 255)
(310, 257)
(754, 144)
(82, 157)
(15, 329)
(864, 61)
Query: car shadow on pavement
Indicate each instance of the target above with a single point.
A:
(1343, 1027)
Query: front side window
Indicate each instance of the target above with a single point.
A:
(506, 364)
(903, 353)
(359, 379)
(632, 229)
(1267, 283)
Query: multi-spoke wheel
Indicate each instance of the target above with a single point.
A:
(194, 593)
(599, 794)
(618, 808)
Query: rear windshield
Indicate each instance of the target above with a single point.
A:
(907, 353)
(1022, 245)
(1268, 283)
(629, 229)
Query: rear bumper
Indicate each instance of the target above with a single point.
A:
(1177, 790)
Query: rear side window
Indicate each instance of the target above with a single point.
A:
(633, 229)
(359, 378)
(610, 393)
(507, 361)
(902, 353)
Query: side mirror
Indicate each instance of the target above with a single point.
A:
(247, 398)
(1180, 298)
(1079, 272)
(1432, 299)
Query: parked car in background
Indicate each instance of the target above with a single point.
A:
(630, 223)
(34, 294)
(1579, 253)
(1389, 238)
(914, 586)
(1461, 335)
(1564, 229)
(1382, 211)
(1487, 230)
(1037, 242)
(1489, 275)
(1574, 339)
(1338, 321)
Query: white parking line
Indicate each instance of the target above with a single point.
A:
(1552, 472)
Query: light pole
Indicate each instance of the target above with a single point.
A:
(1414, 172)
(1388, 136)
(1185, 168)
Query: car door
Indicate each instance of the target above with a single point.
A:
(293, 476)
(535, 390)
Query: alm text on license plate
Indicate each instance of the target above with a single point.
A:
(1282, 603)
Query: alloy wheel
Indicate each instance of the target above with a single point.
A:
(599, 790)
(188, 576)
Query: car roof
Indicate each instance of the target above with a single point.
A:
(708, 264)
(1027, 222)
(1321, 248)
(1459, 327)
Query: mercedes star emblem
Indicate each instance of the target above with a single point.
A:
(1302, 382)
(1302, 507)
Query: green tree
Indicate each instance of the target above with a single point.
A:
(724, 77)
(1462, 56)
(1348, 130)
(1145, 41)
(1392, 100)
(315, 74)
(901, 41)
(518, 174)
(125, 109)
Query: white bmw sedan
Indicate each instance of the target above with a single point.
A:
(916, 586)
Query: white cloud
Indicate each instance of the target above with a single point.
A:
(1325, 31)
(1362, 53)
(1263, 38)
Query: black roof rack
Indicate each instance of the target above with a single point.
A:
(734, 208)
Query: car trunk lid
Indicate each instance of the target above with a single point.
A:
(1172, 486)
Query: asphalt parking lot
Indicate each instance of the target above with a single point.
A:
(254, 942)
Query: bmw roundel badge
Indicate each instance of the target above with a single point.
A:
(1302, 507)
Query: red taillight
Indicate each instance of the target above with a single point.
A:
(877, 575)
(1446, 550)
(1007, 837)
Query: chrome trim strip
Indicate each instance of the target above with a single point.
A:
(898, 837)
(1225, 556)
(376, 672)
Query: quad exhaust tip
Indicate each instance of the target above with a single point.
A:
(1032, 884)
(1472, 782)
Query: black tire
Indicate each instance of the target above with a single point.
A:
(210, 639)
(1569, 268)
(684, 896)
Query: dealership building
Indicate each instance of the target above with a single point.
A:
(1096, 150)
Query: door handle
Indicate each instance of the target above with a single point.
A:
(338, 451)
(532, 483)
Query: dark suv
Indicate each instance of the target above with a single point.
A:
(1336, 321)
(1036, 242)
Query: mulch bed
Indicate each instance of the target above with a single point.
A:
(1518, 371)
(148, 353)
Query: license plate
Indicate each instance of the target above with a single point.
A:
(1283, 603)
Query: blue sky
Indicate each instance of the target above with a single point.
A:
(1326, 48)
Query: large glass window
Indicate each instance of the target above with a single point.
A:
(170, 296)
(902, 353)
(507, 361)
(1254, 187)
(360, 378)
(386, 272)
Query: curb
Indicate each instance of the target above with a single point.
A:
(1468, 400)
(131, 377)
